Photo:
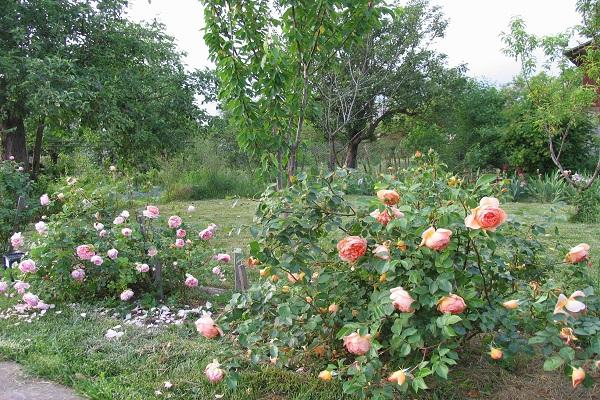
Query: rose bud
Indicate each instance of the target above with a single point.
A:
(511, 304)
(213, 372)
(577, 376)
(398, 377)
(388, 197)
(577, 254)
(325, 376)
(401, 299)
(382, 252)
(333, 308)
(207, 327)
(451, 304)
(496, 353)
(436, 239)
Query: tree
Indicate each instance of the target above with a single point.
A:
(266, 58)
(389, 72)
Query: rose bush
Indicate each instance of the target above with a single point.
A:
(96, 245)
(386, 304)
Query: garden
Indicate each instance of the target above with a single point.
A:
(336, 231)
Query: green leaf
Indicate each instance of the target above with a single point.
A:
(553, 363)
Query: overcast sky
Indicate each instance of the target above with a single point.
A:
(472, 36)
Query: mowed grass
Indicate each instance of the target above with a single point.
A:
(71, 349)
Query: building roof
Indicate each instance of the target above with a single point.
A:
(576, 52)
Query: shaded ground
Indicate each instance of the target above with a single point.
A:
(16, 385)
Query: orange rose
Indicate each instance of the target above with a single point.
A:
(398, 377)
(578, 253)
(488, 216)
(567, 335)
(496, 353)
(577, 376)
(451, 304)
(387, 216)
(436, 239)
(352, 248)
(388, 197)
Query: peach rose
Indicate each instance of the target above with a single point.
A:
(398, 377)
(388, 197)
(206, 327)
(577, 376)
(382, 251)
(357, 344)
(496, 353)
(213, 372)
(578, 253)
(85, 252)
(488, 216)
(451, 304)
(567, 335)
(387, 215)
(569, 306)
(401, 299)
(352, 248)
(511, 304)
(436, 239)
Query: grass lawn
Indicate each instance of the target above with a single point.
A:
(71, 348)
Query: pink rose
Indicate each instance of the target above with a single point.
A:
(451, 304)
(27, 266)
(21, 286)
(78, 274)
(152, 252)
(112, 254)
(3, 286)
(382, 251)
(126, 295)
(98, 226)
(577, 254)
(216, 270)
(179, 243)
(577, 376)
(124, 214)
(213, 372)
(174, 221)
(126, 232)
(401, 299)
(151, 212)
(206, 234)
(207, 327)
(41, 228)
(31, 299)
(352, 248)
(488, 216)
(190, 281)
(387, 215)
(42, 306)
(118, 220)
(222, 257)
(11, 158)
(436, 239)
(181, 233)
(357, 344)
(103, 233)
(142, 268)
(96, 260)
(17, 240)
(44, 200)
(388, 197)
(85, 252)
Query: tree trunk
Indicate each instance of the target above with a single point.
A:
(37, 149)
(14, 140)
(352, 154)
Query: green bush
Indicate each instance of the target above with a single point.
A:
(549, 188)
(587, 205)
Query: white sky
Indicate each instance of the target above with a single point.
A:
(472, 36)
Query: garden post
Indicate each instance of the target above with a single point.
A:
(241, 278)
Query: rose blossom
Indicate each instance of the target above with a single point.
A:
(206, 234)
(174, 221)
(213, 372)
(118, 220)
(96, 260)
(511, 304)
(222, 257)
(569, 306)
(488, 216)
(191, 208)
(577, 376)
(142, 267)
(388, 197)
(78, 274)
(352, 248)
(98, 226)
(190, 281)
(21, 286)
(325, 375)
(357, 344)
(11, 158)
(451, 304)
(44, 199)
(17, 240)
(382, 251)
(180, 233)
(27, 266)
(436, 239)
(85, 252)
(207, 327)
(126, 294)
(3, 286)
(41, 228)
(216, 270)
(151, 212)
(124, 214)
(31, 299)
(43, 306)
(496, 353)
(386, 216)
(578, 253)
(152, 252)
(567, 335)
(103, 233)
(401, 299)
(398, 377)
(126, 232)
(112, 168)
(112, 254)
(179, 243)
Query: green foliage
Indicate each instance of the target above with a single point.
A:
(549, 188)
(13, 184)
(587, 205)
(286, 323)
